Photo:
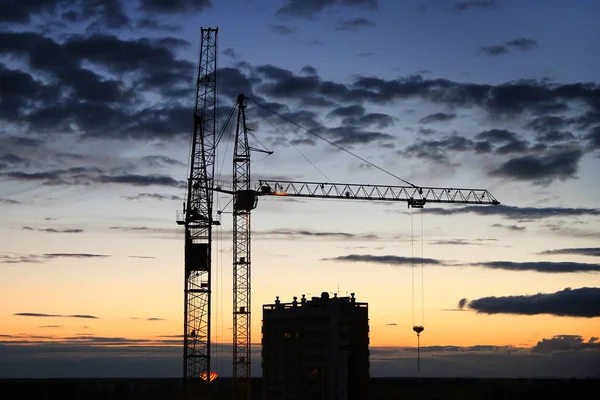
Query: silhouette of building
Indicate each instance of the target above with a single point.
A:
(316, 349)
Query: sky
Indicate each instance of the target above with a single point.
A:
(96, 113)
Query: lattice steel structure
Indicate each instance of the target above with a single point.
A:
(197, 216)
(415, 196)
(244, 200)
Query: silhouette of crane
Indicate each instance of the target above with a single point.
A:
(245, 199)
(197, 218)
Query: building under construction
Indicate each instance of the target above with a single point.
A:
(316, 349)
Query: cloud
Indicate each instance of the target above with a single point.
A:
(153, 196)
(467, 5)
(293, 234)
(353, 25)
(310, 8)
(437, 117)
(171, 7)
(150, 319)
(229, 52)
(521, 44)
(540, 266)
(559, 164)
(53, 230)
(462, 242)
(29, 314)
(74, 255)
(149, 257)
(8, 201)
(391, 324)
(514, 228)
(388, 260)
(582, 302)
(50, 326)
(39, 258)
(54, 357)
(582, 251)
(565, 343)
(437, 150)
(518, 213)
(82, 101)
(494, 50)
(282, 29)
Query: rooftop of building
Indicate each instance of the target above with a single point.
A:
(325, 297)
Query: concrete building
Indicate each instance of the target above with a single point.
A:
(316, 349)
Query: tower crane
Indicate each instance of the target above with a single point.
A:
(245, 199)
(197, 217)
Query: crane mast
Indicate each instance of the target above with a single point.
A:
(244, 200)
(197, 216)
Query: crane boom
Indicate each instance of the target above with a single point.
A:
(415, 196)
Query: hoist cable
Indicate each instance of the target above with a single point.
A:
(412, 266)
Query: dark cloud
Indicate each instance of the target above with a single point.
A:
(86, 176)
(462, 242)
(160, 161)
(310, 8)
(348, 111)
(594, 138)
(376, 120)
(391, 324)
(141, 180)
(29, 357)
(293, 234)
(582, 251)
(8, 201)
(437, 150)
(154, 196)
(309, 70)
(494, 50)
(501, 141)
(22, 11)
(150, 319)
(353, 25)
(144, 257)
(565, 343)
(518, 213)
(29, 314)
(466, 5)
(514, 228)
(462, 303)
(74, 255)
(229, 52)
(282, 29)
(50, 326)
(559, 164)
(582, 302)
(54, 230)
(175, 6)
(388, 260)
(98, 13)
(437, 117)
(521, 44)
(80, 100)
(541, 266)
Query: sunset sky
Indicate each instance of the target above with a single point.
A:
(96, 103)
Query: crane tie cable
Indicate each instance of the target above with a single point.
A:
(332, 143)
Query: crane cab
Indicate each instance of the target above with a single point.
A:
(245, 200)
